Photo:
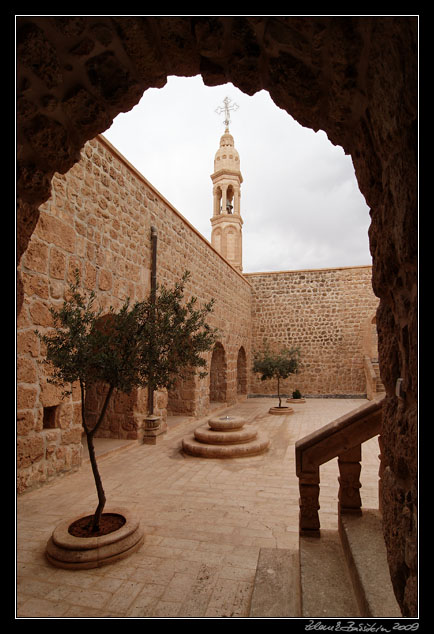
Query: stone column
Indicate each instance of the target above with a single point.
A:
(224, 199)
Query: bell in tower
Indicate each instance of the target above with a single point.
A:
(226, 222)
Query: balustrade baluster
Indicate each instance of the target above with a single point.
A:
(349, 480)
(330, 442)
(309, 504)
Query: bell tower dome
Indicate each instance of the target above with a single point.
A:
(226, 221)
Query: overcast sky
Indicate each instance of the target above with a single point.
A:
(300, 202)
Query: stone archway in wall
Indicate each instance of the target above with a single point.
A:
(125, 412)
(218, 375)
(182, 397)
(353, 77)
(374, 385)
(241, 372)
(122, 419)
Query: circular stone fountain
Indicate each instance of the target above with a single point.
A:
(225, 437)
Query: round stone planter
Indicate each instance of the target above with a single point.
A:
(67, 551)
(281, 411)
(296, 400)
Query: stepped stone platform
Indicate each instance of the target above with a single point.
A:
(225, 437)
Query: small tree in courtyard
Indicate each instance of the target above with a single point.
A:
(276, 365)
(147, 343)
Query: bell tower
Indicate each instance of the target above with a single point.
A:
(226, 222)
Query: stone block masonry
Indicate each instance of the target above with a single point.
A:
(99, 220)
(324, 312)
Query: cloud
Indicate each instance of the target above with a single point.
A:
(300, 201)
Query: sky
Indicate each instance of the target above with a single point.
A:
(300, 202)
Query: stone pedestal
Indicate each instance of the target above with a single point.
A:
(225, 437)
(153, 426)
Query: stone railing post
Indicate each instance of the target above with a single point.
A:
(342, 439)
(309, 523)
(349, 480)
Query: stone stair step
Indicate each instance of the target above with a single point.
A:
(365, 553)
(212, 437)
(276, 591)
(326, 588)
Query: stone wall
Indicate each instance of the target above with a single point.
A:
(324, 313)
(98, 220)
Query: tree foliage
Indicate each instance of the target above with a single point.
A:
(148, 343)
(276, 364)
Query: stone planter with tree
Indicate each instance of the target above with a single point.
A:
(277, 365)
(148, 343)
(296, 398)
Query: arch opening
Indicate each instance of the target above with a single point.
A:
(182, 397)
(241, 372)
(284, 56)
(218, 375)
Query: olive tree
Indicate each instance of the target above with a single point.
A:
(276, 365)
(147, 343)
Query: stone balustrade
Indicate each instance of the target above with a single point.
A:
(340, 439)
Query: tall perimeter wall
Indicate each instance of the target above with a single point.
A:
(99, 220)
(324, 312)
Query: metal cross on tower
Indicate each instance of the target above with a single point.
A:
(226, 109)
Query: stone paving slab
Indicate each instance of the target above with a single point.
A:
(205, 522)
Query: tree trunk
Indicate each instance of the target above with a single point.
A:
(89, 437)
(98, 483)
(278, 391)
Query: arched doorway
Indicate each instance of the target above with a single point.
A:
(218, 375)
(241, 372)
(120, 418)
(182, 397)
(374, 384)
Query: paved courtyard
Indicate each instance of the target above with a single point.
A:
(205, 521)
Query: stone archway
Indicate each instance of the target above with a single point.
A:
(374, 385)
(241, 372)
(218, 375)
(353, 77)
(182, 397)
(124, 413)
(120, 419)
